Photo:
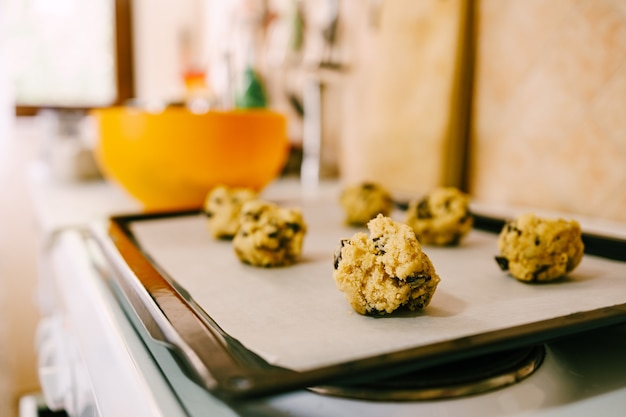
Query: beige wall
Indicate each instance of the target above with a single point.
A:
(398, 93)
(548, 126)
(550, 105)
(18, 273)
(160, 30)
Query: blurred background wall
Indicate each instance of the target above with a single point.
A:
(400, 94)
(550, 95)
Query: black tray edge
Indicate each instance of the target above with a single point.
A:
(204, 347)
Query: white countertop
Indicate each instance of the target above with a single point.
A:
(60, 204)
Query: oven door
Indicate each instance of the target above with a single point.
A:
(91, 360)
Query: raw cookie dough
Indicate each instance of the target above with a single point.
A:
(384, 271)
(363, 202)
(440, 218)
(535, 249)
(222, 206)
(269, 235)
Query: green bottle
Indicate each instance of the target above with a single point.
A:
(252, 95)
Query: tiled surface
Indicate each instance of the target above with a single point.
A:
(549, 127)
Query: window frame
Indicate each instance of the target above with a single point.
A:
(124, 67)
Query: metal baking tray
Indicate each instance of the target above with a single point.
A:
(243, 332)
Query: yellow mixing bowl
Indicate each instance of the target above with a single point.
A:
(172, 159)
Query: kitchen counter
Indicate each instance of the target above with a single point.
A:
(113, 374)
(61, 204)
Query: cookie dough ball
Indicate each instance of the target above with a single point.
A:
(384, 271)
(535, 249)
(363, 202)
(269, 235)
(222, 206)
(441, 218)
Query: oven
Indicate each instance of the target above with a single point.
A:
(104, 350)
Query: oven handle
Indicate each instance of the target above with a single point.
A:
(209, 356)
(151, 317)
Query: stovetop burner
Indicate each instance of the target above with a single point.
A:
(456, 379)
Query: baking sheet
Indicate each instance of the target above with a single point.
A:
(294, 317)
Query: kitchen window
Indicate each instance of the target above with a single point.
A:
(69, 53)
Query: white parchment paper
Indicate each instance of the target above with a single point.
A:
(295, 317)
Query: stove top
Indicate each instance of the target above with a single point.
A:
(456, 379)
(129, 369)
